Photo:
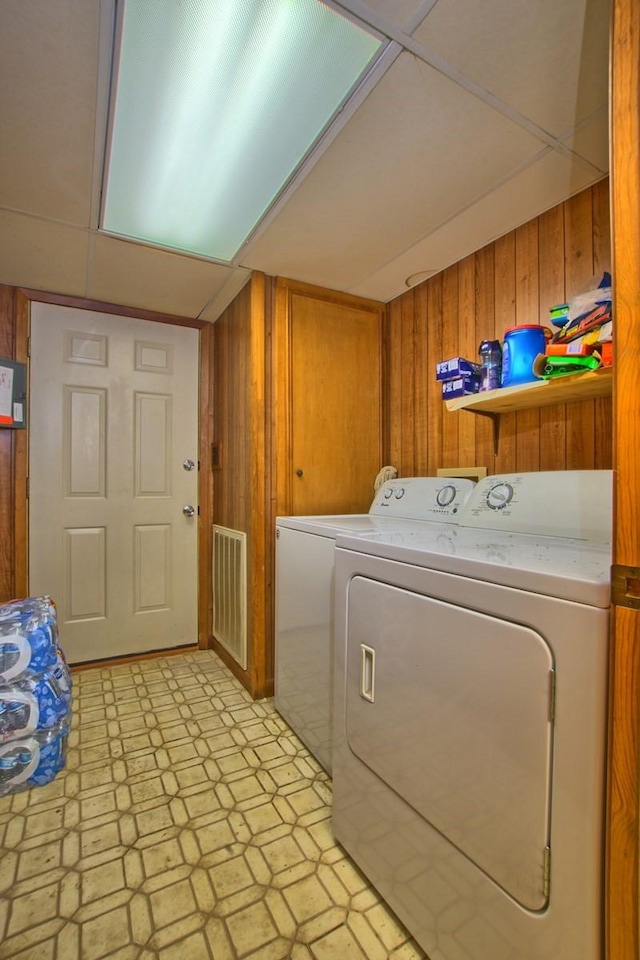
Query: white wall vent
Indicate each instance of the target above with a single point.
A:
(230, 591)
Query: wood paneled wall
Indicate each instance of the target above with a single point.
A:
(13, 446)
(513, 281)
(241, 431)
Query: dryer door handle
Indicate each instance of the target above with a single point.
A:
(367, 672)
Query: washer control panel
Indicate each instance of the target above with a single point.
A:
(422, 498)
(576, 504)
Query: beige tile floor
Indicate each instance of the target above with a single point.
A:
(189, 824)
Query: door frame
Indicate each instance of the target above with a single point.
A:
(623, 816)
(24, 299)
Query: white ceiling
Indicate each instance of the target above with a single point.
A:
(491, 112)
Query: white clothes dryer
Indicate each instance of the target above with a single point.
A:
(470, 719)
(304, 594)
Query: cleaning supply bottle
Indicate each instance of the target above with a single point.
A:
(490, 364)
(521, 346)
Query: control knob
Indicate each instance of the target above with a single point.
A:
(499, 496)
(446, 495)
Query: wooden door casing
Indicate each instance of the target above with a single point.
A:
(14, 329)
(623, 818)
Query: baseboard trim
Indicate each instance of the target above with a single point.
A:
(132, 658)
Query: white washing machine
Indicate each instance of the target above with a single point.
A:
(470, 719)
(304, 594)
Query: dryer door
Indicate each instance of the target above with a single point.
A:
(452, 708)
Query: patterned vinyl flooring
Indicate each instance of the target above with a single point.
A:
(190, 824)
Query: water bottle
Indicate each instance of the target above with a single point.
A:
(33, 761)
(30, 704)
(28, 637)
(61, 675)
(490, 364)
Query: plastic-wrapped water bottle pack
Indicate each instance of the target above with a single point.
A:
(35, 695)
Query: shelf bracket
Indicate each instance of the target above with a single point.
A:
(495, 419)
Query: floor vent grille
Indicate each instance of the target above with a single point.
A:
(230, 591)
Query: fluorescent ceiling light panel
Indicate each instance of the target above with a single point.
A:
(217, 103)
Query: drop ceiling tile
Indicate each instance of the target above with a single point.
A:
(401, 14)
(48, 67)
(153, 279)
(419, 150)
(43, 255)
(549, 181)
(591, 140)
(548, 59)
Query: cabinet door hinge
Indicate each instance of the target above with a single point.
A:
(625, 586)
(28, 346)
(552, 695)
(27, 486)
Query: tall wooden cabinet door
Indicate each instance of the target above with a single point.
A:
(333, 403)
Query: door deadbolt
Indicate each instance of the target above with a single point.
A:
(188, 465)
(188, 510)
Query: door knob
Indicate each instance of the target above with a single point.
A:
(188, 510)
(188, 464)
(299, 473)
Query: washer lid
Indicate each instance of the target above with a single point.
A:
(433, 499)
(365, 524)
(575, 570)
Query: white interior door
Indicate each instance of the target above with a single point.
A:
(113, 421)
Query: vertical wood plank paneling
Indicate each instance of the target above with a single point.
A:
(468, 348)
(450, 424)
(578, 213)
(505, 317)
(424, 364)
(205, 486)
(552, 293)
(268, 453)
(408, 389)
(281, 399)
(7, 540)
(527, 312)
(485, 330)
(261, 636)
(435, 351)
(14, 328)
(602, 409)
(232, 480)
(396, 373)
(515, 280)
(21, 463)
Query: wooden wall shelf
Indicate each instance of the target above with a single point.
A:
(540, 393)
